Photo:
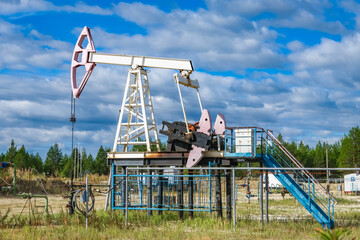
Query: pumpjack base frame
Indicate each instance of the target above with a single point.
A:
(164, 159)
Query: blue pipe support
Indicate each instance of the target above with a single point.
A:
(236, 189)
(135, 175)
(112, 186)
(164, 209)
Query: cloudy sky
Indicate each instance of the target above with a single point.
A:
(289, 66)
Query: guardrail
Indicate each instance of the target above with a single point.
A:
(254, 142)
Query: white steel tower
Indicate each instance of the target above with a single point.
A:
(136, 124)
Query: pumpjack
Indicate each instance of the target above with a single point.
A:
(137, 117)
(191, 144)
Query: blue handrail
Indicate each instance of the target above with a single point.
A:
(265, 144)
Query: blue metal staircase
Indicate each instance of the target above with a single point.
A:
(259, 143)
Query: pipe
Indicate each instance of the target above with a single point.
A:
(30, 195)
(14, 180)
(262, 195)
(126, 196)
(182, 105)
(234, 202)
(87, 200)
(266, 198)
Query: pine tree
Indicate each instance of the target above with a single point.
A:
(88, 163)
(36, 162)
(11, 153)
(83, 160)
(334, 154)
(21, 159)
(53, 160)
(100, 162)
(303, 155)
(320, 158)
(67, 166)
(350, 149)
(292, 147)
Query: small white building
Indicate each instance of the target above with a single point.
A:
(274, 182)
(351, 183)
(244, 140)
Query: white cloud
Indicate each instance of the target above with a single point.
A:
(81, 7)
(214, 42)
(295, 46)
(282, 13)
(24, 108)
(251, 8)
(332, 63)
(352, 7)
(9, 7)
(291, 132)
(304, 19)
(310, 97)
(139, 13)
(34, 50)
(19, 6)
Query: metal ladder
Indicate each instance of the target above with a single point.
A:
(299, 182)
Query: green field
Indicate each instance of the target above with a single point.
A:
(287, 221)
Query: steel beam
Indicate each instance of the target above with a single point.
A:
(140, 61)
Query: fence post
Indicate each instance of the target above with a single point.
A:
(87, 196)
(233, 197)
(210, 192)
(266, 197)
(191, 194)
(160, 194)
(228, 195)
(218, 193)
(180, 192)
(149, 193)
(123, 189)
(108, 195)
(126, 196)
(261, 194)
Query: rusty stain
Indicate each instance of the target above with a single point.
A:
(166, 155)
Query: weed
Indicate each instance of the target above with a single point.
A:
(328, 234)
(4, 217)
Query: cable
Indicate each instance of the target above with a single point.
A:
(72, 120)
(5, 181)
(42, 184)
(79, 206)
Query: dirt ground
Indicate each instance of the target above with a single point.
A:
(57, 203)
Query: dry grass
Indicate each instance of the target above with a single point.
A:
(288, 220)
(111, 225)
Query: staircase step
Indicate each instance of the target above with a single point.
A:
(299, 193)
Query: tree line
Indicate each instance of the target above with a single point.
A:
(56, 163)
(344, 153)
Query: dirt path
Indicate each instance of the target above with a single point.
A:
(56, 203)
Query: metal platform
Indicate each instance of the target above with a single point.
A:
(165, 159)
(246, 144)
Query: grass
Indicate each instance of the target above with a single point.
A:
(288, 220)
(111, 225)
(346, 201)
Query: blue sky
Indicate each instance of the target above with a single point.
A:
(289, 66)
